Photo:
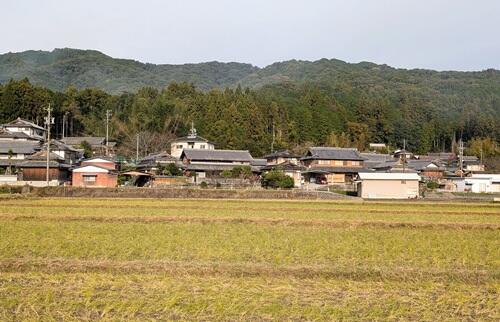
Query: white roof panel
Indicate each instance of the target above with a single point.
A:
(91, 169)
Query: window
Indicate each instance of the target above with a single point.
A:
(179, 146)
(89, 179)
(323, 162)
(403, 181)
(202, 146)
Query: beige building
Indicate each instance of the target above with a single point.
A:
(384, 185)
(191, 141)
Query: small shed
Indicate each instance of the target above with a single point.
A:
(384, 185)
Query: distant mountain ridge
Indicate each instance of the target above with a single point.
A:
(61, 68)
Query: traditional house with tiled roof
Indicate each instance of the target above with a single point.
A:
(97, 144)
(281, 157)
(211, 163)
(151, 162)
(328, 165)
(34, 168)
(426, 169)
(29, 129)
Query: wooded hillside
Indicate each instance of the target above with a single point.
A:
(303, 103)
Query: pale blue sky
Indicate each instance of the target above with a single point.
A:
(436, 34)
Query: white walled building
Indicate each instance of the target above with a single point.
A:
(25, 128)
(191, 141)
(483, 183)
(388, 185)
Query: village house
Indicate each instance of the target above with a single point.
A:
(96, 172)
(427, 169)
(96, 143)
(403, 154)
(382, 185)
(21, 128)
(327, 165)
(211, 163)
(483, 183)
(151, 163)
(18, 150)
(279, 157)
(373, 159)
(34, 169)
(288, 168)
(191, 141)
(472, 164)
(15, 136)
(69, 154)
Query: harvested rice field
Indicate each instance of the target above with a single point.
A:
(248, 260)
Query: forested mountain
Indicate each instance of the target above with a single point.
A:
(66, 67)
(326, 102)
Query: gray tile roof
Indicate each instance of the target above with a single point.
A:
(420, 165)
(15, 135)
(191, 139)
(153, 158)
(329, 153)
(214, 167)
(60, 146)
(258, 162)
(284, 166)
(336, 170)
(42, 155)
(21, 122)
(280, 154)
(21, 147)
(78, 140)
(217, 155)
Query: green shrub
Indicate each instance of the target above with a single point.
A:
(432, 185)
(10, 189)
(169, 170)
(277, 179)
(203, 185)
(241, 172)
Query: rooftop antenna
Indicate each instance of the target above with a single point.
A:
(192, 132)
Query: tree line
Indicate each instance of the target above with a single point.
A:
(279, 116)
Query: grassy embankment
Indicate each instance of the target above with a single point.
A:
(225, 260)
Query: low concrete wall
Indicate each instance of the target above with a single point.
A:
(21, 183)
(184, 193)
(7, 179)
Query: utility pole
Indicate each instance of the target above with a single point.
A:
(461, 156)
(65, 116)
(108, 115)
(404, 155)
(49, 121)
(137, 149)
